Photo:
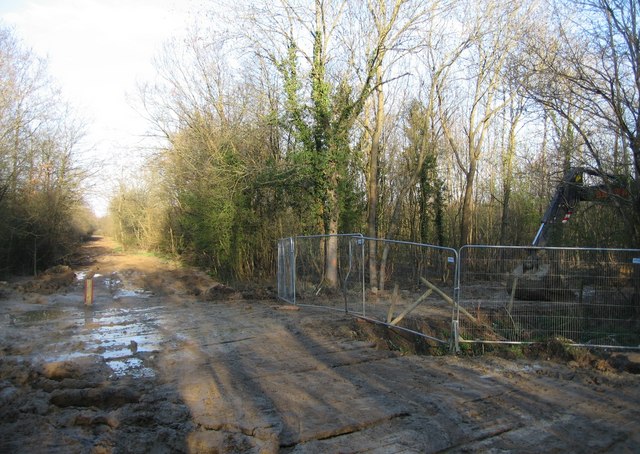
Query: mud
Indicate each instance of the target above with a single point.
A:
(166, 360)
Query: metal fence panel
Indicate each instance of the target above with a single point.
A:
(286, 270)
(310, 283)
(524, 294)
(416, 287)
(494, 294)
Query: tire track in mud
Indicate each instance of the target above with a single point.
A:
(260, 378)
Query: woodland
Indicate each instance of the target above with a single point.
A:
(43, 216)
(445, 122)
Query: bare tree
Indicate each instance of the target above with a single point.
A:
(326, 81)
(588, 72)
(402, 39)
(40, 179)
(494, 33)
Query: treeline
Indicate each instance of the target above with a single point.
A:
(445, 122)
(43, 216)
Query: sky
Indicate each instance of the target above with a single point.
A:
(98, 51)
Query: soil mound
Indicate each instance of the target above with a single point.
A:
(53, 280)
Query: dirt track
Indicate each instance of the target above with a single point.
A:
(153, 366)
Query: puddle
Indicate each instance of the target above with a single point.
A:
(122, 337)
(133, 367)
(112, 282)
(122, 366)
(82, 275)
(118, 335)
(38, 316)
(135, 293)
(526, 368)
(68, 299)
(124, 347)
(66, 357)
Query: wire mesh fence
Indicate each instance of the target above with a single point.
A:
(523, 294)
(488, 294)
(414, 284)
(310, 278)
(286, 270)
(414, 287)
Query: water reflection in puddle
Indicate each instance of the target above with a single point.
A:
(132, 367)
(122, 366)
(119, 335)
(38, 316)
(135, 293)
(82, 275)
(112, 282)
(122, 336)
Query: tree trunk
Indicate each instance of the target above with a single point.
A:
(507, 176)
(372, 195)
(332, 222)
(394, 227)
(467, 204)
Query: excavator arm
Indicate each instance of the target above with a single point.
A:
(572, 190)
(533, 276)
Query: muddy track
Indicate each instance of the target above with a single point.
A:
(155, 366)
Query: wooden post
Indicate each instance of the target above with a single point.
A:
(516, 326)
(88, 291)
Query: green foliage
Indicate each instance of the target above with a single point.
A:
(206, 226)
(323, 160)
(423, 152)
(257, 152)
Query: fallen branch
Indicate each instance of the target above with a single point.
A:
(399, 318)
(510, 305)
(449, 300)
(394, 300)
